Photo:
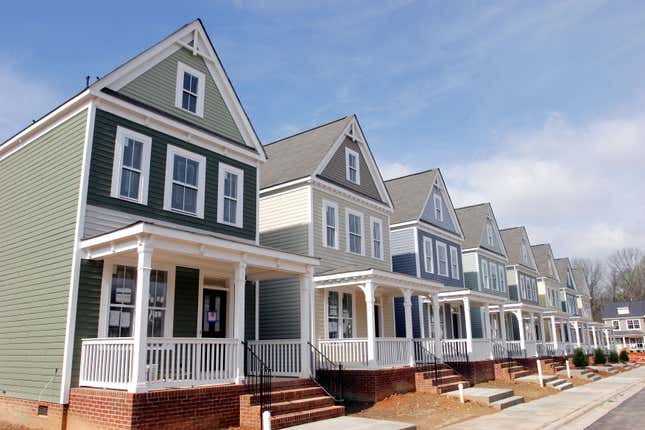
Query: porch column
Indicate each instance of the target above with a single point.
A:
(532, 325)
(554, 333)
(595, 339)
(409, 334)
(306, 320)
(502, 324)
(562, 337)
(469, 328)
(239, 285)
(422, 318)
(607, 337)
(577, 329)
(437, 326)
(368, 291)
(542, 333)
(140, 327)
(487, 329)
(520, 323)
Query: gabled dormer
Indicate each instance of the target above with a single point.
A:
(522, 268)
(546, 262)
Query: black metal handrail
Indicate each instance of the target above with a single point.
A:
(426, 361)
(258, 375)
(454, 352)
(499, 351)
(328, 374)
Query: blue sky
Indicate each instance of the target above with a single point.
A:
(537, 107)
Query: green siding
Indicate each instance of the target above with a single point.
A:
(87, 309)
(249, 311)
(476, 322)
(101, 177)
(156, 87)
(280, 309)
(39, 194)
(186, 296)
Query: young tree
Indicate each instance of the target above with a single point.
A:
(627, 274)
(594, 273)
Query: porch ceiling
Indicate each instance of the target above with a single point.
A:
(381, 280)
(262, 263)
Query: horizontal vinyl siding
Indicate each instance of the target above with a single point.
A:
(186, 302)
(404, 259)
(39, 194)
(446, 280)
(284, 220)
(280, 309)
(249, 311)
(101, 178)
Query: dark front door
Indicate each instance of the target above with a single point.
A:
(214, 315)
(377, 321)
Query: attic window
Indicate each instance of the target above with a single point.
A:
(525, 252)
(438, 207)
(489, 234)
(190, 90)
(353, 168)
(351, 132)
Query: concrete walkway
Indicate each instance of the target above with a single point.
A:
(355, 423)
(576, 408)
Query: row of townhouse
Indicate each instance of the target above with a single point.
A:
(156, 258)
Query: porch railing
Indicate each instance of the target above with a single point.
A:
(514, 348)
(531, 348)
(345, 351)
(282, 356)
(422, 346)
(500, 353)
(481, 349)
(106, 363)
(454, 350)
(392, 351)
(328, 375)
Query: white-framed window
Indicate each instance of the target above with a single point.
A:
(230, 195)
(377, 238)
(438, 207)
(428, 259)
(190, 89)
(525, 252)
(454, 263)
(493, 276)
(352, 166)
(185, 182)
(355, 237)
(615, 324)
(489, 234)
(330, 224)
(535, 291)
(131, 166)
(340, 315)
(633, 324)
(485, 279)
(442, 258)
(502, 278)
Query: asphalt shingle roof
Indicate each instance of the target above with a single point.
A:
(409, 194)
(562, 264)
(581, 281)
(541, 254)
(636, 309)
(512, 238)
(472, 220)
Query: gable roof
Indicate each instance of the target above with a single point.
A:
(636, 309)
(581, 282)
(473, 222)
(512, 238)
(563, 265)
(543, 254)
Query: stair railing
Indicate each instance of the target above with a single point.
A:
(499, 351)
(258, 378)
(454, 352)
(426, 361)
(329, 375)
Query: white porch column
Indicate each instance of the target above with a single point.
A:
(488, 334)
(562, 338)
(502, 324)
(607, 337)
(306, 320)
(593, 334)
(520, 323)
(407, 305)
(554, 333)
(577, 329)
(437, 326)
(140, 327)
(239, 285)
(532, 325)
(469, 328)
(368, 290)
(542, 333)
(422, 318)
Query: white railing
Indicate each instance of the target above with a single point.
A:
(352, 352)
(106, 363)
(482, 350)
(422, 346)
(392, 351)
(282, 356)
(190, 361)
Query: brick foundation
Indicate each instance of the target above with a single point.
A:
(373, 385)
(476, 371)
(25, 412)
(530, 363)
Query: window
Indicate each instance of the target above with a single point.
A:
(502, 278)
(442, 259)
(353, 168)
(623, 311)
(122, 301)
(354, 232)
(438, 207)
(633, 325)
(230, 195)
(190, 88)
(489, 234)
(493, 276)
(185, 179)
(525, 252)
(340, 316)
(131, 166)
(615, 324)
(485, 279)
(377, 238)
(454, 263)
(427, 254)
(522, 287)
(330, 227)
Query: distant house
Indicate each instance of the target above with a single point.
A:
(627, 321)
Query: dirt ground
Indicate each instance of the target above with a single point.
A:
(428, 411)
(527, 390)
(7, 426)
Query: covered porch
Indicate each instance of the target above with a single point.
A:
(522, 332)
(558, 333)
(176, 307)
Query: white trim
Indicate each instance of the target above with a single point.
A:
(502, 278)
(444, 246)
(224, 168)
(201, 89)
(268, 190)
(632, 320)
(454, 260)
(340, 292)
(256, 329)
(351, 153)
(379, 222)
(323, 185)
(348, 212)
(427, 245)
(171, 151)
(122, 134)
(485, 275)
(310, 223)
(417, 251)
(429, 228)
(66, 373)
(328, 204)
(229, 306)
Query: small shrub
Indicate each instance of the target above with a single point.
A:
(580, 359)
(613, 356)
(624, 356)
(599, 356)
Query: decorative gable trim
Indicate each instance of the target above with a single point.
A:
(441, 185)
(490, 217)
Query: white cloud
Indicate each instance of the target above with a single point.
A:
(394, 170)
(578, 187)
(23, 99)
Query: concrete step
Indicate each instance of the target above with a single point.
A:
(446, 388)
(303, 417)
(311, 403)
(285, 395)
(507, 402)
(560, 384)
(534, 379)
(485, 396)
(520, 374)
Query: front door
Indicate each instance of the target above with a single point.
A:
(214, 314)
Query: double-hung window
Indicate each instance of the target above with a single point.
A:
(442, 258)
(427, 255)
(190, 90)
(354, 232)
(131, 166)
(485, 279)
(493, 276)
(633, 325)
(230, 195)
(330, 225)
(185, 182)
(377, 238)
(615, 324)
(454, 263)
(353, 168)
(340, 315)
(438, 207)
(502, 278)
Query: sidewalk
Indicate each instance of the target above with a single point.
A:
(576, 408)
